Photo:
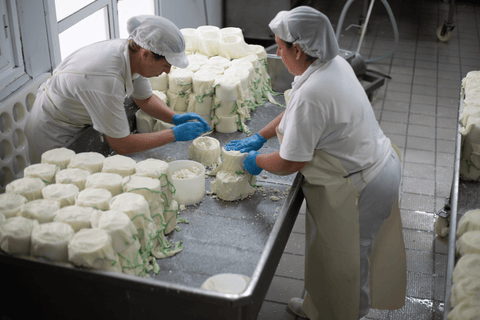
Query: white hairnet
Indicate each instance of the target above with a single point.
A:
(160, 36)
(310, 29)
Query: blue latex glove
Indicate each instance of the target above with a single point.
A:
(250, 163)
(188, 131)
(179, 119)
(254, 142)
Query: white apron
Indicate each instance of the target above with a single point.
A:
(332, 259)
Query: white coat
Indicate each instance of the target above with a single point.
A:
(87, 88)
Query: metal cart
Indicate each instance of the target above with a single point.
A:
(246, 237)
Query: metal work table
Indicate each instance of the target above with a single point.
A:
(246, 237)
(464, 197)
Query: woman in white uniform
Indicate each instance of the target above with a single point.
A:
(89, 88)
(351, 175)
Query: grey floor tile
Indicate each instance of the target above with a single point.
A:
(421, 119)
(421, 131)
(424, 99)
(415, 308)
(444, 173)
(445, 159)
(291, 266)
(447, 112)
(418, 186)
(425, 109)
(418, 220)
(412, 201)
(398, 106)
(420, 285)
(420, 261)
(296, 244)
(275, 311)
(447, 134)
(443, 188)
(441, 245)
(419, 240)
(418, 170)
(299, 226)
(282, 289)
(397, 139)
(445, 146)
(393, 116)
(393, 127)
(447, 122)
(420, 143)
(420, 156)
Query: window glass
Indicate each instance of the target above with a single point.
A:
(130, 8)
(64, 8)
(90, 30)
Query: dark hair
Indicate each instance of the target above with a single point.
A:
(133, 46)
(309, 57)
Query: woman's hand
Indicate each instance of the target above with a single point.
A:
(246, 145)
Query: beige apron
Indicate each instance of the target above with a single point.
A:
(332, 260)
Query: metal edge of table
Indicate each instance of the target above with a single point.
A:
(453, 214)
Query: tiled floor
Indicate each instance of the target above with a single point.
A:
(417, 108)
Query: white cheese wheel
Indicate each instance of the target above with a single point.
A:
(58, 156)
(171, 216)
(119, 227)
(2, 218)
(198, 58)
(119, 164)
(231, 186)
(147, 187)
(157, 169)
(205, 150)
(63, 193)
(96, 198)
(42, 210)
(90, 161)
(469, 243)
(219, 61)
(76, 216)
(465, 289)
(30, 188)
(137, 209)
(470, 221)
(144, 122)
(179, 80)
(160, 82)
(50, 240)
(10, 204)
(74, 176)
(468, 266)
(467, 310)
(15, 235)
(132, 261)
(227, 283)
(109, 181)
(44, 171)
(92, 248)
(232, 161)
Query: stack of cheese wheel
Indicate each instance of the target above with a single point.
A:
(470, 127)
(232, 181)
(213, 50)
(103, 213)
(466, 274)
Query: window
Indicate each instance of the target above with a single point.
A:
(83, 22)
(11, 61)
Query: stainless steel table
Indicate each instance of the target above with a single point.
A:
(246, 237)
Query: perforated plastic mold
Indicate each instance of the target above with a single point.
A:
(14, 112)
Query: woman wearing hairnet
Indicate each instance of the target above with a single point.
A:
(89, 87)
(355, 256)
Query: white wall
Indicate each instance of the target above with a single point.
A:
(191, 13)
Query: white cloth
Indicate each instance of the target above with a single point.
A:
(308, 28)
(87, 88)
(329, 110)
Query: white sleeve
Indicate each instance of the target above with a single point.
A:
(106, 108)
(142, 88)
(302, 126)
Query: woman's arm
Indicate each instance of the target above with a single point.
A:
(156, 108)
(269, 130)
(273, 163)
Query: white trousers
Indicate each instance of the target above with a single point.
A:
(375, 205)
